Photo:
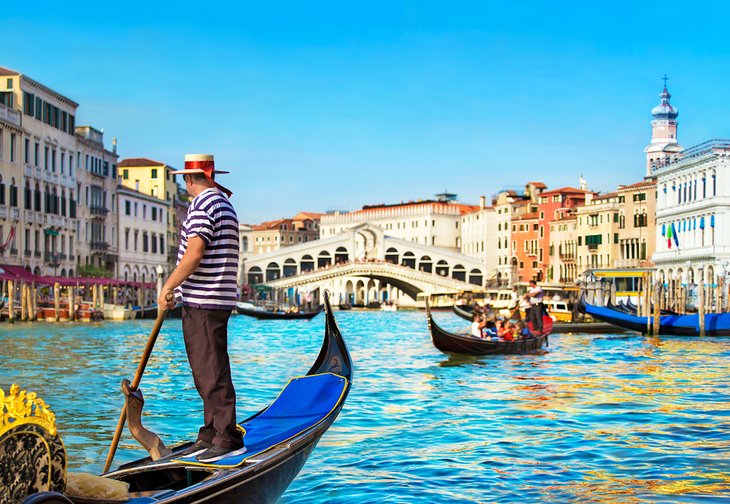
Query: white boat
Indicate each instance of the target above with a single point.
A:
(118, 312)
(389, 307)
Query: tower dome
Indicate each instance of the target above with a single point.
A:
(665, 110)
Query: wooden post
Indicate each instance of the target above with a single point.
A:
(657, 309)
(647, 305)
(11, 296)
(101, 297)
(94, 304)
(71, 303)
(140, 296)
(701, 303)
(29, 302)
(23, 300)
(57, 301)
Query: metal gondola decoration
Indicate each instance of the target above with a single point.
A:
(279, 439)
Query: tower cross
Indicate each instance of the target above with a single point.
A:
(665, 79)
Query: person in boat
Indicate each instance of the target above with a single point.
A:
(490, 330)
(522, 331)
(204, 281)
(506, 333)
(536, 306)
(477, 324)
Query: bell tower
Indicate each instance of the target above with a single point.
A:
(663, 147)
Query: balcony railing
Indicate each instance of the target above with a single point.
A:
(99, 211)
(10, 115)
(53, 259)
(567, 257)
(26, 253)
(593, 246)
(37, 254)
(99, 246)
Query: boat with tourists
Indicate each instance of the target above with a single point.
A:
(277, 314)
(279, 439)
(465, 343)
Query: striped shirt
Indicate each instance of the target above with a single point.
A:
(213, 285)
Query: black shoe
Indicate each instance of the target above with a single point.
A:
(215, 453)
(196, 448)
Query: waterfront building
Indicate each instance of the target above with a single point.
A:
(433, 223)
(143, 230)
(478, 236)
(38, 163)
(553, 204)
(273, 235)
(637, 222)
(693, 211)
(96, 187)
(525, 249)
(563, 249)
(509, 204)
(598, 232)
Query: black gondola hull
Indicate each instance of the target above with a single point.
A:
(267, 315)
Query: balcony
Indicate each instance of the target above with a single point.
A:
(37, 254)
(565, 257)
(28, 170)
(593, 247)
(99, 246)
(3, 212)
(99, 211)
(10, 115)
(26, 253)
(15, 214)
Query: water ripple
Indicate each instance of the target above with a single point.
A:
(595, 418)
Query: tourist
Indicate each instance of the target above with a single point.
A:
(204, 280)
(477, 325)
(536, 306)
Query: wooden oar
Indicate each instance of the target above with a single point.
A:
(135, 384)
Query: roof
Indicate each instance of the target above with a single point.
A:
(7, 71)
(527, 216)
(605, 196)
(307, 215)
(463, 209)
(269, 225)
(638, 185)
(564, 190)
(537, 184)
(139, 162)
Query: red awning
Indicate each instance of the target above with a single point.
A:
(17, 273)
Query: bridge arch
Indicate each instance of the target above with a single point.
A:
(409, 260)
(255, 275)
(458, 272)
(324, 259)
(290, 267)
(341, 255)
(272, 271)
(425, 264)
(391, 255)
(475, 277)
(442, 268)
(306, 264)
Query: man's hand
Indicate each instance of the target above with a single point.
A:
(166, 301)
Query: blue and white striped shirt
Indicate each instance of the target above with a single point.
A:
(213, 285)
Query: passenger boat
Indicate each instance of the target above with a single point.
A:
(467, 344)
(279, 439)
(145, 312)
(716, 324)
(277, 314)
(117, 312)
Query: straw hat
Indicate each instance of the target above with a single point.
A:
(199, 163)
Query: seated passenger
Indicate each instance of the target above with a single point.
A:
(522, 331)
(476, 326)
(506, 333)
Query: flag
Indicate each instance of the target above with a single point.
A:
(8, 241)
(674, 235)
(670, 235)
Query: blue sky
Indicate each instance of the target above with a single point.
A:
(332, 105)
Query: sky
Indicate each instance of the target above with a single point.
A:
(331, 105)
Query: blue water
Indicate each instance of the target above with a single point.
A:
(595, 418)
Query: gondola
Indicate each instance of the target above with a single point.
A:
(468, 344)
(681, 325)
(464, 311)
(278, 315)
(279, 439)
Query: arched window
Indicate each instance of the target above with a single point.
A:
(13, 193)
(28, 196)
(442, 268)
(341, 256)
(255, 276)
(244, 244)
(290, 267)
(391, 256)
(475, 277)
(307, 264)
(272, 272)
(324, 259)
(409, 260)
(459, 273)
(425, 264)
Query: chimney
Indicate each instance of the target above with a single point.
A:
(482, 202)
(114, 145)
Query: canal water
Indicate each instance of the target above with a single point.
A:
(595, 418)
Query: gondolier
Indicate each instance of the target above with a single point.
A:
(534, 295)
(204, 281)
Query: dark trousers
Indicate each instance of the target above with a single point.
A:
(206, 342)
(536, 317)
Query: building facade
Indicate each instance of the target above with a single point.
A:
(563, 249)
(38, 162)
(637, 222)
(598, 232)
(274, 235)
(479, 236)
(142, 225)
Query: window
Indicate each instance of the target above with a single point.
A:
(639, 197)
(12, 147)
(125, 174)
(154, 173)
(127, 208)
(154, 214)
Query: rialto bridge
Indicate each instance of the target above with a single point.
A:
(363, 265)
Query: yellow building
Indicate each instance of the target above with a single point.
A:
(598, 232)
